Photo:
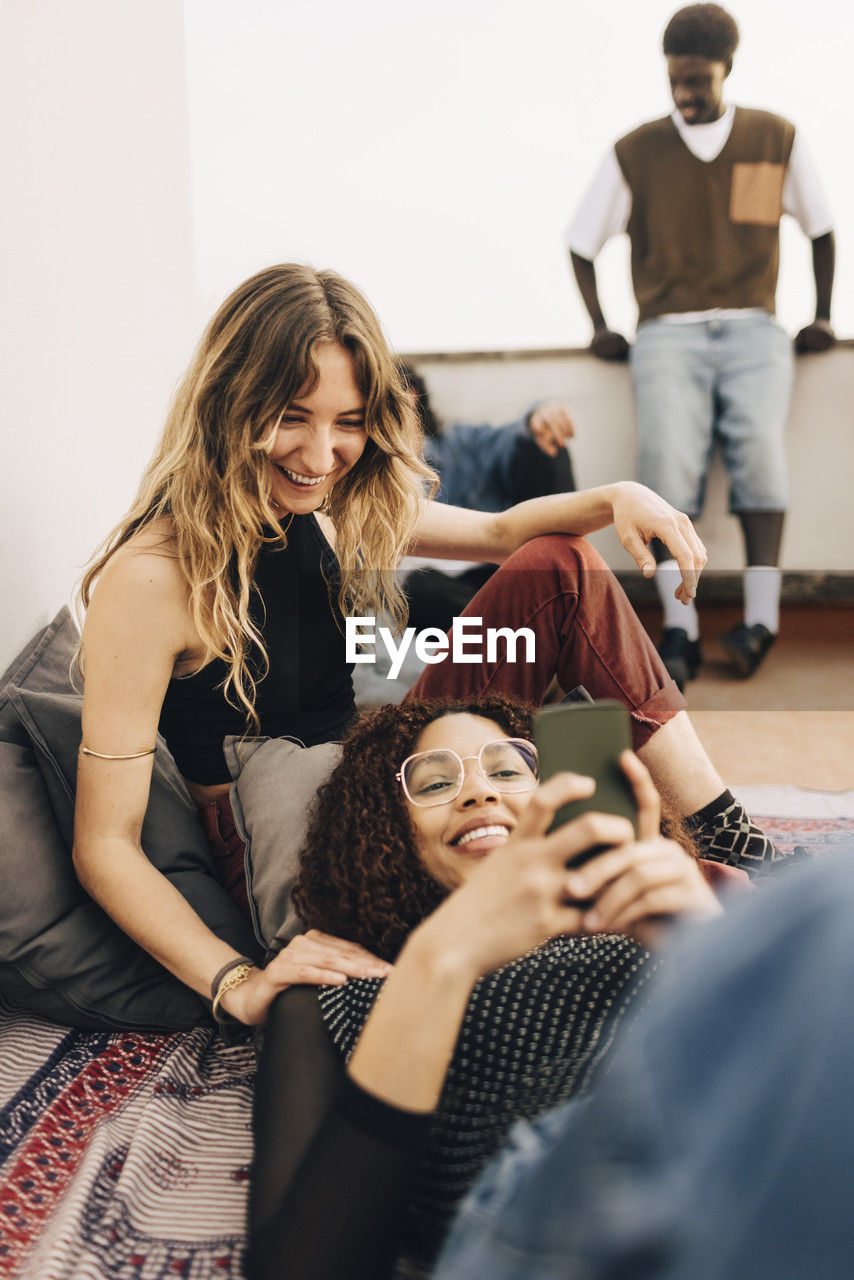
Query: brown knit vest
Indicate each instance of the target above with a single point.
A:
(706, 235)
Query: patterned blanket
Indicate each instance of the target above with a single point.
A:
(123, 1156)
(126, 1157)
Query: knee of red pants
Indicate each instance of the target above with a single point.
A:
(539, 586)
(564, 553)
(578, 566)
(652, 697)
(547, 579)
(563, 564)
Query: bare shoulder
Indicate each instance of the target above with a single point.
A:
(141, 599)
(150, 557)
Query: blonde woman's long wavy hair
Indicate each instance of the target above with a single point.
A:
(210, 477)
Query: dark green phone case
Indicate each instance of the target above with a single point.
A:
(587, 738)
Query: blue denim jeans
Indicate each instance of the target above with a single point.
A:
(722, 381)
(718, 1144)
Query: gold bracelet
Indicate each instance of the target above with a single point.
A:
(234, 978)
(134, 755)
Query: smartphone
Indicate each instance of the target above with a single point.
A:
(587, 738)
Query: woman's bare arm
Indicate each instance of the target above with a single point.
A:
(137, 629)
(638, 515)
(135, 632)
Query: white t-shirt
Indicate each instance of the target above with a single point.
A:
(605, 207)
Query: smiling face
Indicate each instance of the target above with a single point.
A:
(697, 86)
(320, 436)
(452, 838)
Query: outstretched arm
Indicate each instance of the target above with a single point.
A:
(638, 515)
(819, 335)
(606, 344)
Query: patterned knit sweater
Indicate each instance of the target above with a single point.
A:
(532, 1035)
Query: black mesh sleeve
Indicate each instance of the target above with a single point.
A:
(333, 1165)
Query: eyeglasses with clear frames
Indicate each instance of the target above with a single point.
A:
(436, 777)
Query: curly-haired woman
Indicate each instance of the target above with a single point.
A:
(215, 606)
(428, 846)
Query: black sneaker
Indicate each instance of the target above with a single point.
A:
(747, 646)
(681, 656)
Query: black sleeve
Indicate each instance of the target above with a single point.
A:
(333, 1165)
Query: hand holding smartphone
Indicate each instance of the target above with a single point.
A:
(587, 738)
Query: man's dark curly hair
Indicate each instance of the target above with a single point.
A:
(701, 31)
(413, 381)
(360, 874)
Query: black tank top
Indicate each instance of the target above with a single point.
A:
(307, 692)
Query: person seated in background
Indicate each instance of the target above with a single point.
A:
(483, 468)
(429, 847)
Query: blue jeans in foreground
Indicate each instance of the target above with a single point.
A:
(708, 381)
(720, 1144)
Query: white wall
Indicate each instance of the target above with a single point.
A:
(820, 529)
(99, 311)
(435, 151)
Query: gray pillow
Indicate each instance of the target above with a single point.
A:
(275, 783)
(61, 956)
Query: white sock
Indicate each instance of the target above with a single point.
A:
(676, 614)
(762, 585)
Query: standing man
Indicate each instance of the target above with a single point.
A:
(700, 194)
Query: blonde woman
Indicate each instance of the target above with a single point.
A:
(285, 489)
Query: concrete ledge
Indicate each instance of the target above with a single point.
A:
(522, 353)
(799, 587)
(499, 386)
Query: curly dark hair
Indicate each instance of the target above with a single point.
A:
(360, 874)
(413, 381)
(702, 31)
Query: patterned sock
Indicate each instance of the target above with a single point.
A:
(725, 833)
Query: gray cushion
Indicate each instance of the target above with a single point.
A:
(275, 783)
(60, 955)
(45, 661)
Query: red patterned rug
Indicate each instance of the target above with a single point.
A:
(809, 837)
(123, 1156)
